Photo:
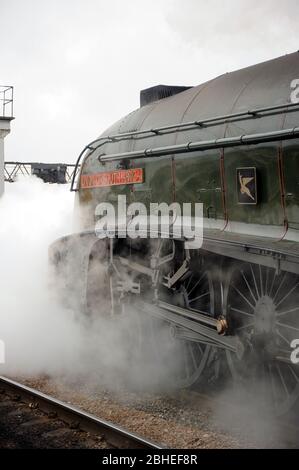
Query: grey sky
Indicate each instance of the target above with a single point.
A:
(78, 65)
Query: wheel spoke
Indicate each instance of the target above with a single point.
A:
(198, 310)
(272, 284)
(199, 346)
(199, 297)
(287, 326)
(248, 286)
(244, 326)
(192, 355)
(242, 312)
(282, 379)
(279, 287)
(288, 294)
(283, 337)
(189, 280)
(194, 287)
(279, 314)
(261, 280)
(187, 363)
(254, 280)
(293, 373)
(243, 296)
(267, 279)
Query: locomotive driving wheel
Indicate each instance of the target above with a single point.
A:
(262, 310)
(194, 291)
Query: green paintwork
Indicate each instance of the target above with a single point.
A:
(196, 177)
(198, 180)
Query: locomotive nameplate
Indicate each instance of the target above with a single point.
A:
(112, 178)
(246, 185)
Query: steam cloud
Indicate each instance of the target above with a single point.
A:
(40, 335)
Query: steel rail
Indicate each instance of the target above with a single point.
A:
(254, 113)
(114, 434)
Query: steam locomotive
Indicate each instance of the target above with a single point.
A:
(232, 305)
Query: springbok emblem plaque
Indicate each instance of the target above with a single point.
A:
(246, 185)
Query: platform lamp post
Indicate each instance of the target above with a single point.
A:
(6, 116)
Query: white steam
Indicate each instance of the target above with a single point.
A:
(38, 335)
(41, 336)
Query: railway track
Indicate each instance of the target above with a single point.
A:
(186, 418)
(33, 419)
